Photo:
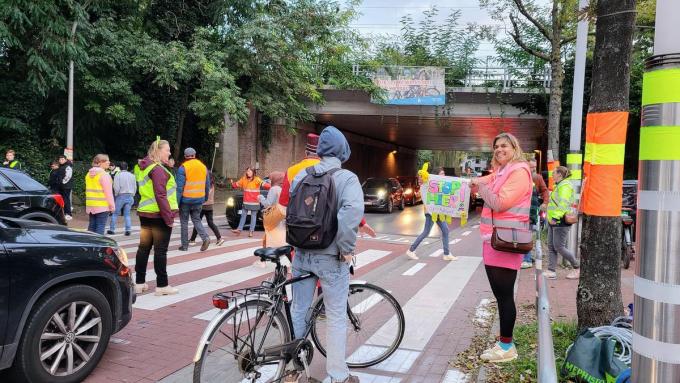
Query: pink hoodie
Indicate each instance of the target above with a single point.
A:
(107, 184)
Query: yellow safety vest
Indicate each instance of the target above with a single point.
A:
(195, 173)
(94, 191)
(147, 201)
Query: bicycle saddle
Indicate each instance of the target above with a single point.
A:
(273, 254)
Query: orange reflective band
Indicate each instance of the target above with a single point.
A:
(551, 166)
(606, 127)
(599, 200)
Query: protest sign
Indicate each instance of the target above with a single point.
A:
(446, 197)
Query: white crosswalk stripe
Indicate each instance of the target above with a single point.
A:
(414, 269)
(202, 263)
(194, 250)
(466, 233)
(455, 241)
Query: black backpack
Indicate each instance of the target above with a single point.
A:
(312, 214)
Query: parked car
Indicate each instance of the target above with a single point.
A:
(23, 197)
(383, 194)
(411, 186)
(63, 293)
(234, 207)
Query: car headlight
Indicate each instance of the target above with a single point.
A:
(381, 193)
(408, 191)
(230, 201)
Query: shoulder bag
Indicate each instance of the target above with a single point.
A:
(511, 240)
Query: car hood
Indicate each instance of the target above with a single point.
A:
(47, 233)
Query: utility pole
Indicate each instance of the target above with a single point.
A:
(657, 282)
(574, 157)
(68, 152)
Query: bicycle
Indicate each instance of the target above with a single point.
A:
(252, 338)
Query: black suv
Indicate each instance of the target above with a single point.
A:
(23, 197)
(62, 294)
(383, 194)
(234, 207)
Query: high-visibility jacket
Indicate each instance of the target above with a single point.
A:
(136, 170)
(561, 200)
(517, 216)
(251, 190)
(147, 201)
(94, 191)
(196, 174)
(14, 164)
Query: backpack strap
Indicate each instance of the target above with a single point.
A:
(311, 172)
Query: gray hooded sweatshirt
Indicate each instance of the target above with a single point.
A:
(334, 150)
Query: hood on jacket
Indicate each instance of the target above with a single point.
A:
(276, 178)
(332, 143)
(145, 163)
(93, 171)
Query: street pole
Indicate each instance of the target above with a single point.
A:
(575, 158)
(217, 145)
(656, 334)
(68, 152)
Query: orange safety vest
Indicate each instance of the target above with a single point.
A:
(196, 174)
(251, 189)
(517, 216)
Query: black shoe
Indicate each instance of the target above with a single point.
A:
(205, 245)
(110, 232)
(127, 233)
(182, 248)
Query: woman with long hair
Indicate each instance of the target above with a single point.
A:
(99, 201)
(157, 210)
(507, 201)
(559, 205)
(250, 184)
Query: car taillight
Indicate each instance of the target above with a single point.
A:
(220, 302)
(58, 199)
(122, 258)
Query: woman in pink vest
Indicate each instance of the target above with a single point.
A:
(507, 200)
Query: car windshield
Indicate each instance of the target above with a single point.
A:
(375, 183)
(26, 183)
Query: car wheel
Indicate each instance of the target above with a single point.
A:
(390, 206)
(65, 336)
(401, 205)
(40, 217)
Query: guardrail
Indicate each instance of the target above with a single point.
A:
(489, 77)
(547, 371)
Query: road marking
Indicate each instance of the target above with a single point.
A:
(466, 233)
(364, 258)
(400, 361)
(196, 249)
(475, 226)
(370, 378)
(436, 298)
(202, 263)
(437, 253)
(400, 239)
(414, 269)
(455, 241)
(426, 242)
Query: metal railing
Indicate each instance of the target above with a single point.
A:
(488, 77)
(547, 371)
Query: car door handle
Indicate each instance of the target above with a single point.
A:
(19, 205)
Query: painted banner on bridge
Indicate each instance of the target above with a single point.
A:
(446, 196)
(412, 85)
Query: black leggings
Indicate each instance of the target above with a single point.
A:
(502, 283)
(208, 217)
(154, 233)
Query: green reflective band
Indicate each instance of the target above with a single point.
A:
(576, 174)
(661, 86)
(574, 158)
(605, 154)
(660, 143)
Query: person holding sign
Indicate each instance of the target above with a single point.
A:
(507, 202)
(429, 222)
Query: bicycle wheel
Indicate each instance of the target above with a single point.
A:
(228, 355)
(374, 330)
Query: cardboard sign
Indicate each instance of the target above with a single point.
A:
(446, 197)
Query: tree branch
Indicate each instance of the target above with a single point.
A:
(569, 39)
(516, 36)
(541, 28)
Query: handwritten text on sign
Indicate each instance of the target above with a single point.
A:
(447, 195)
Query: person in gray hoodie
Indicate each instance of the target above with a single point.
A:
(331, 265)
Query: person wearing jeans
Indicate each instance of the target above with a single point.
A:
(560, 203)
(250, 183)
(443, 227)
(207, 211)
(330, 265)
(124, 188)
(98, 194)
(193, 187)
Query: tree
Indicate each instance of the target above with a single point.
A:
(541, 35)
(599, 297)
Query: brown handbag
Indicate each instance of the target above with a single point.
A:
(271, 217)
(511, 240)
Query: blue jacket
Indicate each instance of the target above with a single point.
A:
(334, 150)
(181, 180)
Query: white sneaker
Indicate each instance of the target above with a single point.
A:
(68, 217)
(575, 274)
(167, 290)
(498, 355)
(141, 287)
(550, 274)
(219, 242)
(526, 265)
(411, 254)
(450, 258)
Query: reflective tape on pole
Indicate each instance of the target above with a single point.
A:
(574, 165)
(551, 167)
(656, 340)
(603, 163)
